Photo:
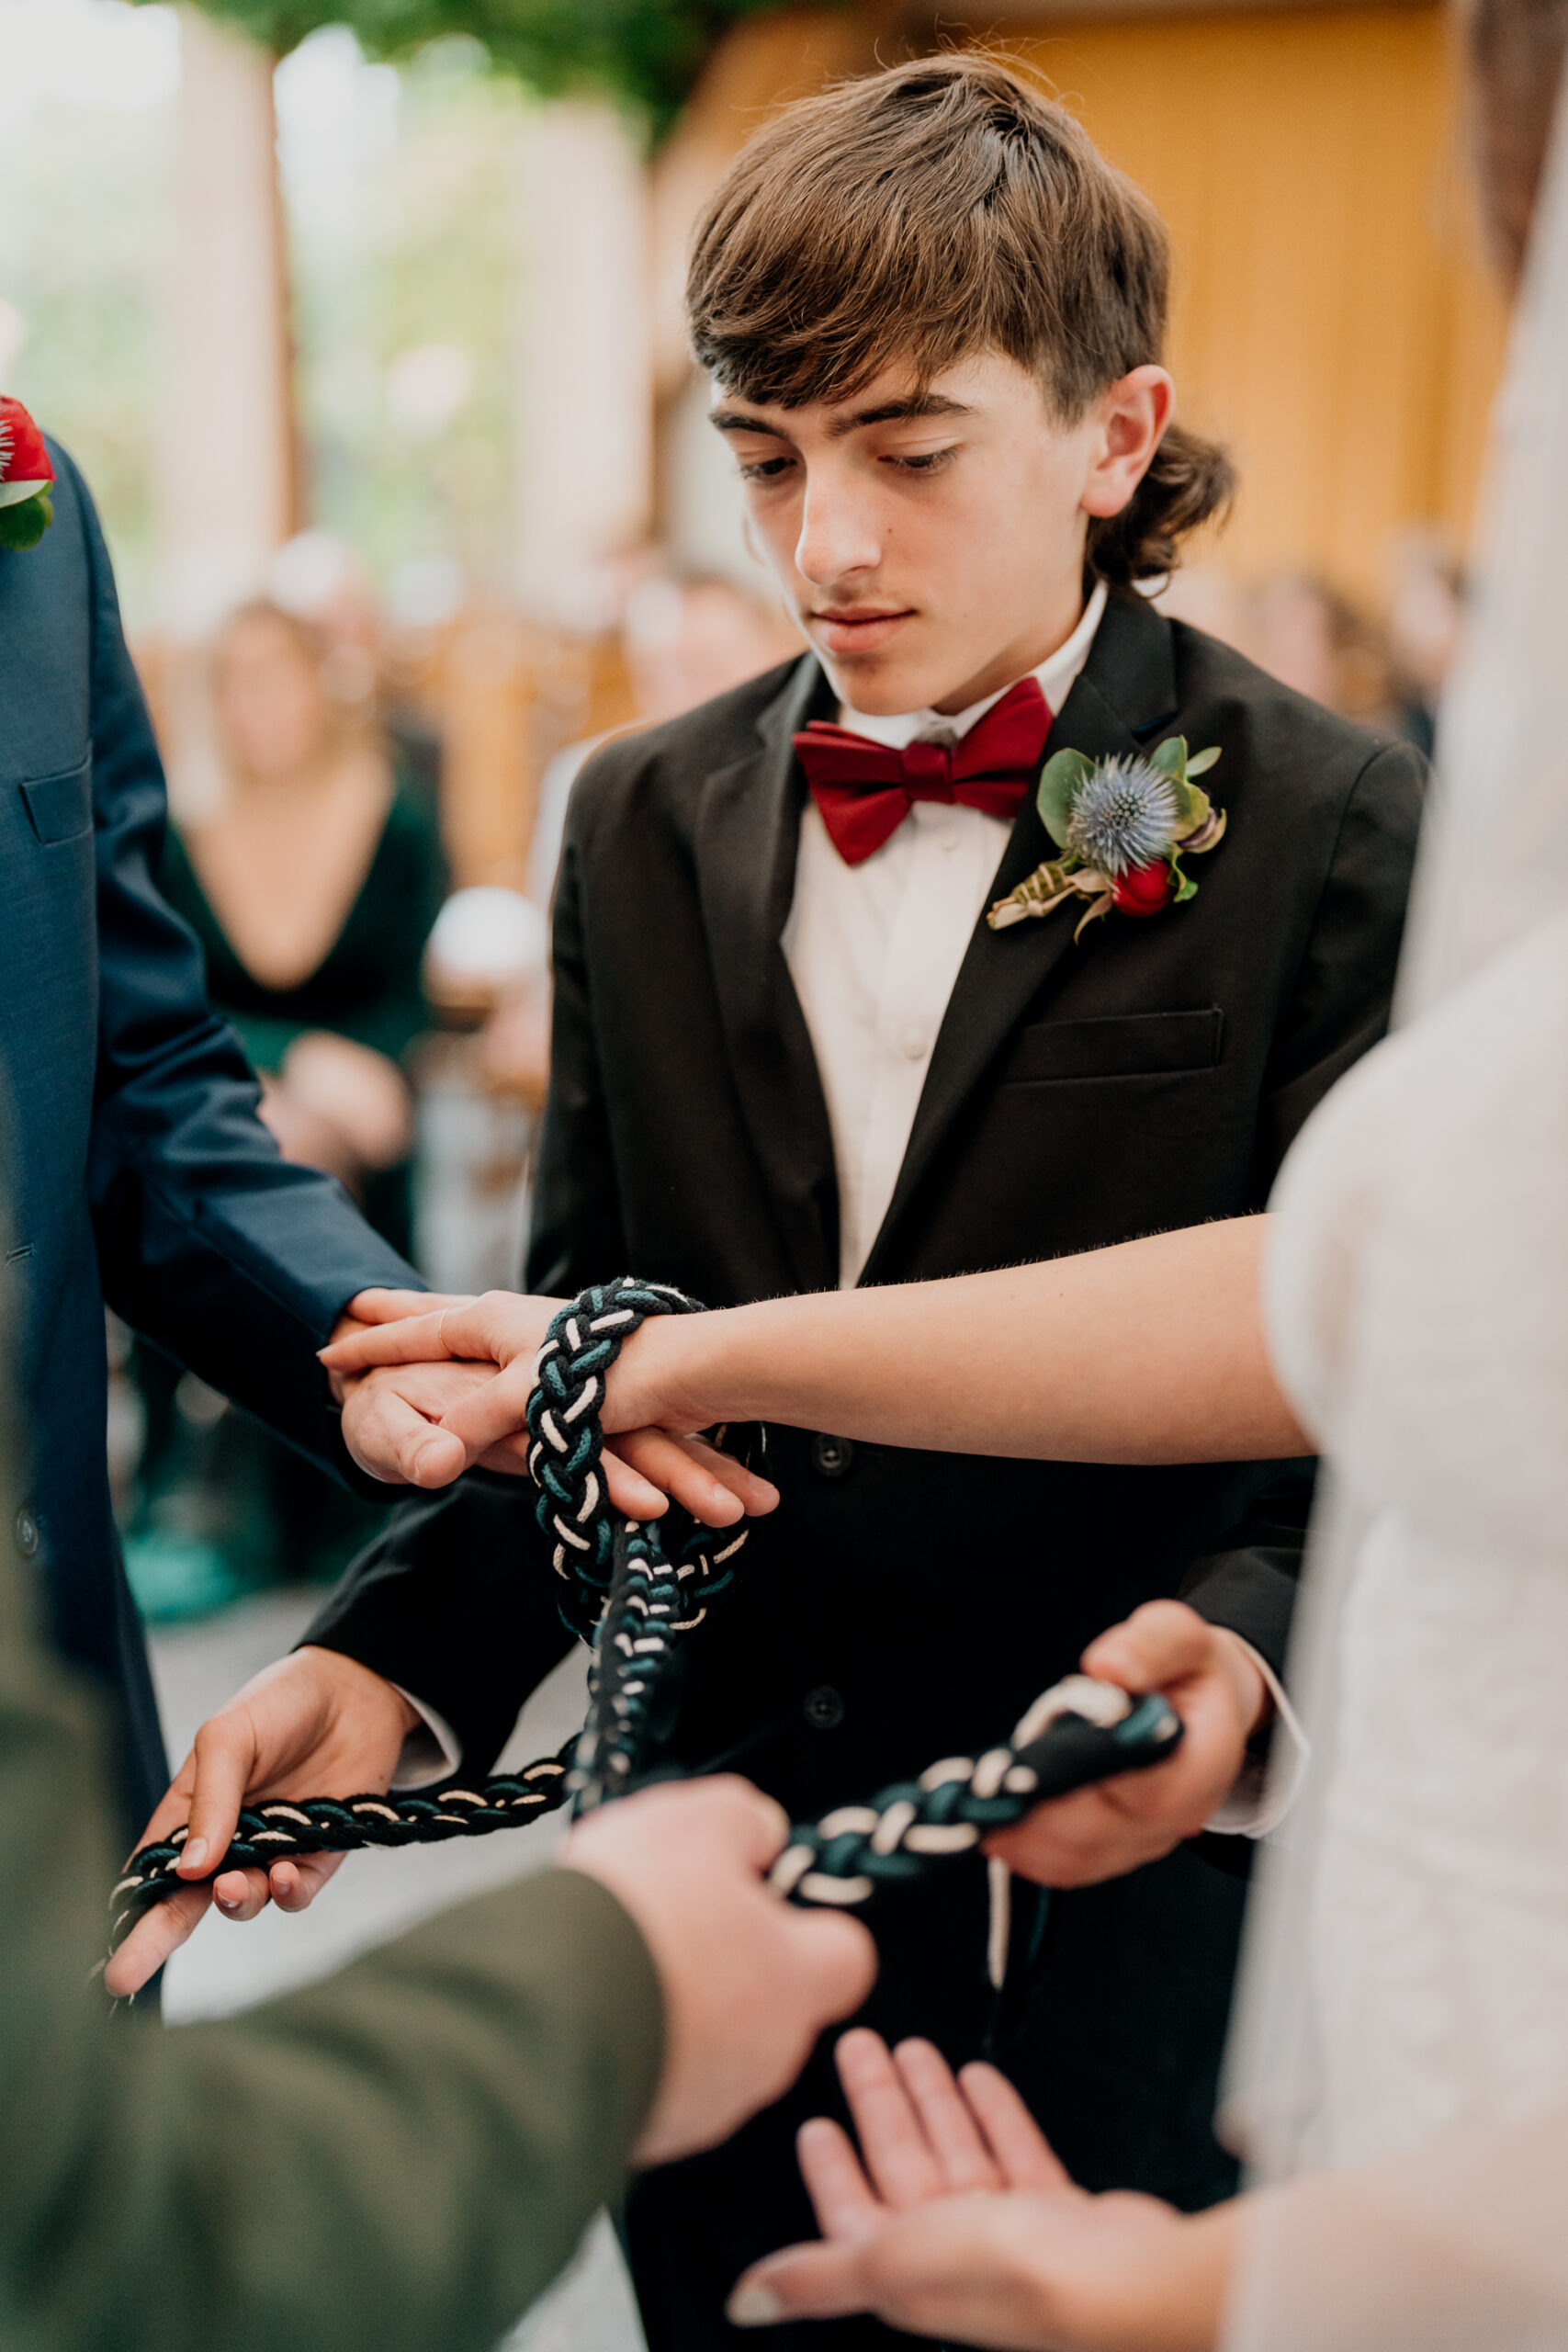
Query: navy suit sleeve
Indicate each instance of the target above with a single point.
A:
(209, 1242)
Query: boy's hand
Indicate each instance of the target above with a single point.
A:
(313, 1724)
(956, 2219)
(748, 1982)
(1214, 1685)
(644, 1467)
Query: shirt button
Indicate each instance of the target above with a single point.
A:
(913, 1042)
(27, 1532)
(824, 1707)
(831, 1457)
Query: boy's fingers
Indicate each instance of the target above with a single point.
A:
(1026, 2157)
(295, 1884)
(842, 2199)
(155, 1935)
(674, 1466)
(223, 1765)
(632, 1494)
(1158, 1644)
(949, 2125)
(894, 2147)
(241, 1894)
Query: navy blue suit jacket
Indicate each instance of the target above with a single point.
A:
(135, 1168)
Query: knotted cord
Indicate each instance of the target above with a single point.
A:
(636, 1606)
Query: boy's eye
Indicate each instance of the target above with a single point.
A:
(924, 461)
(763, 468)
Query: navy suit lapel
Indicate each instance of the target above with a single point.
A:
(747, 834)
(1126, 689)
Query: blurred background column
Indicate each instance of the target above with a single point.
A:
(584, 447)
(225, 475)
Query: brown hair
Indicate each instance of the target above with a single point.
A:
(926, 214)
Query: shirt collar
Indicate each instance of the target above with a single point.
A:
(1058, 674)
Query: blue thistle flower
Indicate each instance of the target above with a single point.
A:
(1124, 815)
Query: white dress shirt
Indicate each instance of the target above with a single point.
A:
(874, 951)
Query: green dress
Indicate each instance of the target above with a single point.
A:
(367, 985)
(223, 1507)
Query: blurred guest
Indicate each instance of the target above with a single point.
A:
(686, 638)
(312, 887)
(1423, 626)
(1312, 637)
(319, 578)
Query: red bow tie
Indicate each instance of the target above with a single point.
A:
(865, 790)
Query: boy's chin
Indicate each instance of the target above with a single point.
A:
(883, 687)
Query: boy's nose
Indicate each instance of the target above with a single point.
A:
(837, 539)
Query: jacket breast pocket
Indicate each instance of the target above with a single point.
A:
(1125, 1044)
(61, 806)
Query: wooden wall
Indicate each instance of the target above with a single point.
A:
(1334, 319)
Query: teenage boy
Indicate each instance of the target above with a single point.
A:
(789, 1052)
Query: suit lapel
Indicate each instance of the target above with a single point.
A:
(1126, 690)
(747, 837)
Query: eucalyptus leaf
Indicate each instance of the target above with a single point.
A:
(1201, 762)
(1059, 780)
(1170, 757)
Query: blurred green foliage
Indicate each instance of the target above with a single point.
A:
(424, 258)
(648, 52)
(81, 230)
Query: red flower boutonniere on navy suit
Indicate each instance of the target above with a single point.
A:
(1123, 827)
(26, 478)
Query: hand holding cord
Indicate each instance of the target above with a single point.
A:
(638, 1607)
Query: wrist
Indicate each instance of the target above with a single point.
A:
(1173, 2300)
(693, 1390)
(1255, 1698)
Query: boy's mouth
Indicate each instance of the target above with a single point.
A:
(855, 629)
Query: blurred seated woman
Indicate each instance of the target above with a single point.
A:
(312, 887)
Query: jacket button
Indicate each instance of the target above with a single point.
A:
(27, 1532)
(824, 1707)
(831, 1457)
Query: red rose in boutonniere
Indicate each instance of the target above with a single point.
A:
(1123, 827)
(26, 478)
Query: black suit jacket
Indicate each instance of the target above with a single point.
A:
(903, 1606)
(134, 1167)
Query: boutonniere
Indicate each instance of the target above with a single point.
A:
(27, 476)
(1123, 827)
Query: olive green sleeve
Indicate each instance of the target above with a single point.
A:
(398, 2158)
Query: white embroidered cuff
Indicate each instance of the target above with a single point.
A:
(1265, 1787)
(430, 1752)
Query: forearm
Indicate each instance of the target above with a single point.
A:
(1149, 1353)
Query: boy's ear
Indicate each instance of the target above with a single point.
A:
(1132, 415)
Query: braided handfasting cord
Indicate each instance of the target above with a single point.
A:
(625, 1596)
